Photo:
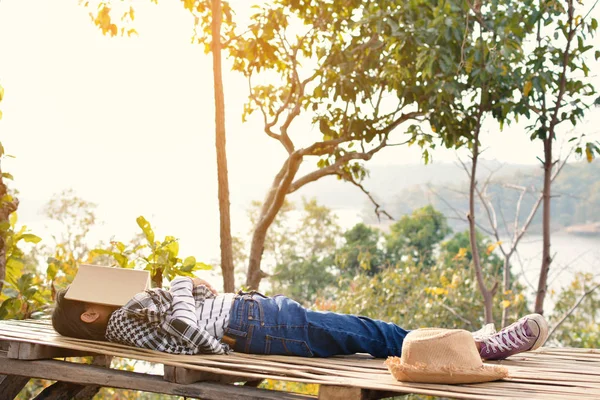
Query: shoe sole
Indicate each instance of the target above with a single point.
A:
(542, 326)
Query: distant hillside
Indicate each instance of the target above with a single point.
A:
(576, 195)
(402, 188)
(387, 181)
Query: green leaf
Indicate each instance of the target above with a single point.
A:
(101, 251)
(51, 271)
(203, 266)
(8, 176)
(189, 262)
(172, 246)
(14, 264)
(31, 238)
(30, 292)
(12, 219)
(24, 282)
(527, 88)
(187, 268)
(5, 307)
(120, 246)
(10, 292)
(121, 260)
(147, 229)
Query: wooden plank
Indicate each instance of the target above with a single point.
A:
(185, 360)
(91, 375)
(328, 392)
(11, 385)
(87, 393)
(340, 393)
(33, 351)
(60, 391)
(566, 374)
(186, 376)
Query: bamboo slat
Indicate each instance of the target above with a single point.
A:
(547, 373)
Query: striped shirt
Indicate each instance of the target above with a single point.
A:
(213, 314)
(182, 320)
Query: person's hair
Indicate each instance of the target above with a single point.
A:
(66, 319)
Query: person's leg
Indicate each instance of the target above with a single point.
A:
(280, 325)
(334, 334)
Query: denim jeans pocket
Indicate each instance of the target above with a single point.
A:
(289, 347)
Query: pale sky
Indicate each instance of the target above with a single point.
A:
(128, 122)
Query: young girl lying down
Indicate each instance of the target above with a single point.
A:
(192, 318)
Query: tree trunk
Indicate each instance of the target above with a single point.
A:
(549, 164)
(220, 143)
(546, 257)
(257, 248)
(157, 278)
(279, 189)
(506, 285)
(487, 294)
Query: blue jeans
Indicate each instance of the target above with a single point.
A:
(279, 325)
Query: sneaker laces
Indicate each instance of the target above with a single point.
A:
(504, 341)
(485, 332)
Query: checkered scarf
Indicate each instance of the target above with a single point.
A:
(166, 321)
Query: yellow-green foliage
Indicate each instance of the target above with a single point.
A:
(581, 328)
(295, 387)
(415, 297)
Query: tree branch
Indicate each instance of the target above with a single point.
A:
(334, 168)
(572, 309)
(456, 314)
(378, 210)
(399, 121)
(324, 147)
(268, 125)
(536, 206)
(563, 74)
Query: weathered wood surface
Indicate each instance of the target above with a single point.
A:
(60, 391)
(350, 393)
(186, 376)
(32, 351)
(91, 375)
(547, 373)
(11, 385)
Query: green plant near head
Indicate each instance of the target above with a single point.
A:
(22, 294)
(160, 257)
(23, 298)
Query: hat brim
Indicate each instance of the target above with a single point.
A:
(450, 375)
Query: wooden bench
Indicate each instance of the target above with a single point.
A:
(20, 361)
(29, 349)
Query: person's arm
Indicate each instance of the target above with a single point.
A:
(184, 323)
(184, 306)
(126, 329)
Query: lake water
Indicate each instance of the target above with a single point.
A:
(571, 253)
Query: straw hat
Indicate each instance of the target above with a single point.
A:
(434, 355)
